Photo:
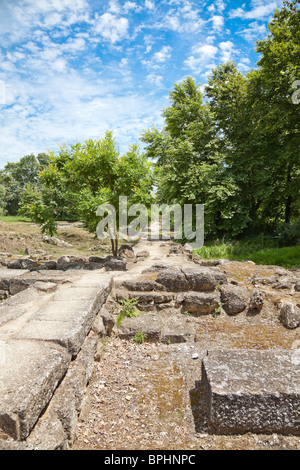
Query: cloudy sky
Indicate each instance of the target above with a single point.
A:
(71, 69)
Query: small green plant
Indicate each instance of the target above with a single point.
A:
(218, 310)
(140, 337)
(186, 312)
(128, 310)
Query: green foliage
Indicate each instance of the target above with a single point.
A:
(16, 176)
(140, 337)
(218, 310)
(128, 310)
(93, 173)
(2, 198)
(189, 161)
(261, 250)
(288, 234)
(238, 153)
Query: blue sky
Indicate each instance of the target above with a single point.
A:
(71, 69)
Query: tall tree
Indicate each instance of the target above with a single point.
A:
(189, 160)
(278, 69)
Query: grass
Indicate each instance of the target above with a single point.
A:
(260, 250)
(13, 218)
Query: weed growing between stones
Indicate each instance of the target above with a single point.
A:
(128, 310)
(218, 310)
(140, 337)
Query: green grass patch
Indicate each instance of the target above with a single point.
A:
(14, 218)
(258, 250)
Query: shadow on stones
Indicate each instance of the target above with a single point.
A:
(199, 407)
(252, 312)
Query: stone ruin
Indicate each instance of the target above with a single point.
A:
(53, 320)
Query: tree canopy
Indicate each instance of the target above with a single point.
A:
(235, 147)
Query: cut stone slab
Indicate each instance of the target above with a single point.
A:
(68, 318)
(29, 375)
(177, 330)
(173, 280)
(146, 297)
(65, 323)
(148, 324)
(252, 391)
(204, 279)
(19, 304)
(198, 303)
(144, 285)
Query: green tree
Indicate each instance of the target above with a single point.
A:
(188, 156)
(278, 69)
(94, 173)
(16, 175)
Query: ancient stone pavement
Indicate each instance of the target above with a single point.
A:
(242, 336)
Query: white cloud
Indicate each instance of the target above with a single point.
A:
(155, 79)
(59, 65)
(205, 51)
(243, 67)
(163, 54)
(19, 18)
(227, 50)
(254, 31)
(111, 27)
(114, 7)
(220, 5)
(74, 45)
(128, 6)
(150, 5)
(65, 107)
(218, 22)
(201, 58)
(260, 10)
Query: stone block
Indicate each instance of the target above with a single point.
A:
(252, 391)
(29, 375)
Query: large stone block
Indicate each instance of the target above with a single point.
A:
(252, 391)
(68, 318)
(149, 325)
(204, 279)
(29, 374)
(173, 280)
(199, 303)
